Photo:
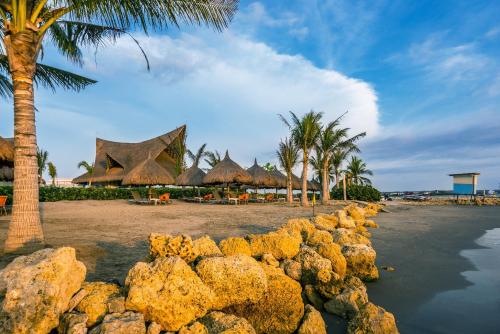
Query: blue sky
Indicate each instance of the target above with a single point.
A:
(421, 77)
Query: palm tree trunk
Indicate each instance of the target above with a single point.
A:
(25, 232)
(305, 163)
(289, 190)
(324, 185)
(337, 183)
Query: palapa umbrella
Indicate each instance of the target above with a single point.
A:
(7, 149)
(261, 178)
(227, 172)
(193, 176)
(278, 178)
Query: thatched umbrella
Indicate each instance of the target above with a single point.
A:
(7, 149)
(227, 172)
(193, 176)
(296, 182)
(261, 178)
(148, 173)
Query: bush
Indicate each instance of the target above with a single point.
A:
(359, 193)
(54, 194)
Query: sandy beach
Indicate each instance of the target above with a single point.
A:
(423, 243)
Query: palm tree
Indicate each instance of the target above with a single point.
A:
(69, 24)
(288, 156)
(89, 168)
(269, 167)
(355, 171)
(199, 154)
(41, 158)
(213, 158)
(305, 132)
(52, 172)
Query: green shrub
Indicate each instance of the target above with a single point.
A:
(54, 194)
(356, 192)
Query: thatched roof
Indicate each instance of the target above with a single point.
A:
(261, 177)
(279, 178)
(7, 149)
(313, 185)
(296, 182)
(114, 161)
(227, 171)
(193, 176)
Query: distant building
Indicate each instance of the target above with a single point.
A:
(465, 183)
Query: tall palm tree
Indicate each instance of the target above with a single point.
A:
(212, 158)
(89, 168)
(52, 172)
(288, 156)
(199, 154)
(269, 167)
(304, 132)
(69, 24)
(355, 171)
(41, 160)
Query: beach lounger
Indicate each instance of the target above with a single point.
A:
(137, 199)
(3, 203)
(243, 198)
(165, 198)
(269, 198)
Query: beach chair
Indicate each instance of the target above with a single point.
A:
(137, 199)
(3, 204)
(269, 198)
(165, 198)
(244, 198)
(208, 197)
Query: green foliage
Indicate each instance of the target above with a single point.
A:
(54, 194)
(357, 192)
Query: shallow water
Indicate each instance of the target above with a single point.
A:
(474, 309)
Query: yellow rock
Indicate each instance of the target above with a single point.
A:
(370, 223)
(319, 237)
(292, 268)
(372, 209)
(194, 328)
(235, 245)
(356, 213)
(332, 252)
(168, 292)
(269, 259)
(344, 237)
(372, 319)
(281, 245)
(326, 222)
(313, 296)
(236, 279)
(281, 308)
(205, 246)
(361, 261)
(221, 323)
(312, 323)
(315, 268)
(344, 220)
(300, 225)
(95, 303)
(167, 245)
(350, 299)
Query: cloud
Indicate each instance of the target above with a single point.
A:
(227, 88)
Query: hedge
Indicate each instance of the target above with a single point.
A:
(54, 194)
(357, 192)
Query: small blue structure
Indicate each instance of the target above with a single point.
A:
(465, 183)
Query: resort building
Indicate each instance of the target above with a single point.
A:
(157, 161)
(465, 183)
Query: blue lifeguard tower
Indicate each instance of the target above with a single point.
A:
(465, 183)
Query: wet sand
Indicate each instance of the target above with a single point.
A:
(425, 244)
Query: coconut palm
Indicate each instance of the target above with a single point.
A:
(355, 171)
(52, 172)
(199, 154)
(89, 168)
(68, 25)
(288, 156)
(212, 158)
(269, 167)
(41, 158)
(304, 132)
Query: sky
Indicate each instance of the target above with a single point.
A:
(422, 78)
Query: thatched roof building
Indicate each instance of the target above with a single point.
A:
(262, 178)
(279, 178)
(226, 172)
(193, 176)
(6, 159)
(150, 162)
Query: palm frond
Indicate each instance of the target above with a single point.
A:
(5, 87)
(51, 77)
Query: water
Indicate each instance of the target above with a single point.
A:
(474, 309)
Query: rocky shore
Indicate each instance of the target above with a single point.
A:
(265, 283)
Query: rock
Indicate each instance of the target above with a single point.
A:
(372, 209)
(332, 252)
(194, 328)
(95, 303)
(205, 246)
(270, 260)
(36, 289)
(373, 319)
(315, 268)
(281, 308)
(236, 279)
(73, 323)
(167, 245)
(361, 261)
(313, 297)
(356, 213)
(326, 222)
(363, 231)
(344, 220)
(126, 323)
(235, 245)
(281, 245)
(76, 299)
(312, 323)
(292, 268)
(344, 237)
(319, 237)
(351, 298)
(221, 323)
(300, 225)
(168, 292)
(116, 304)
(370, 223)
(154, 328)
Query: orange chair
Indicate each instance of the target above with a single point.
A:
(244, 198)
(208, 197)
(3, 202)
(165, 198)
(269, 197)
